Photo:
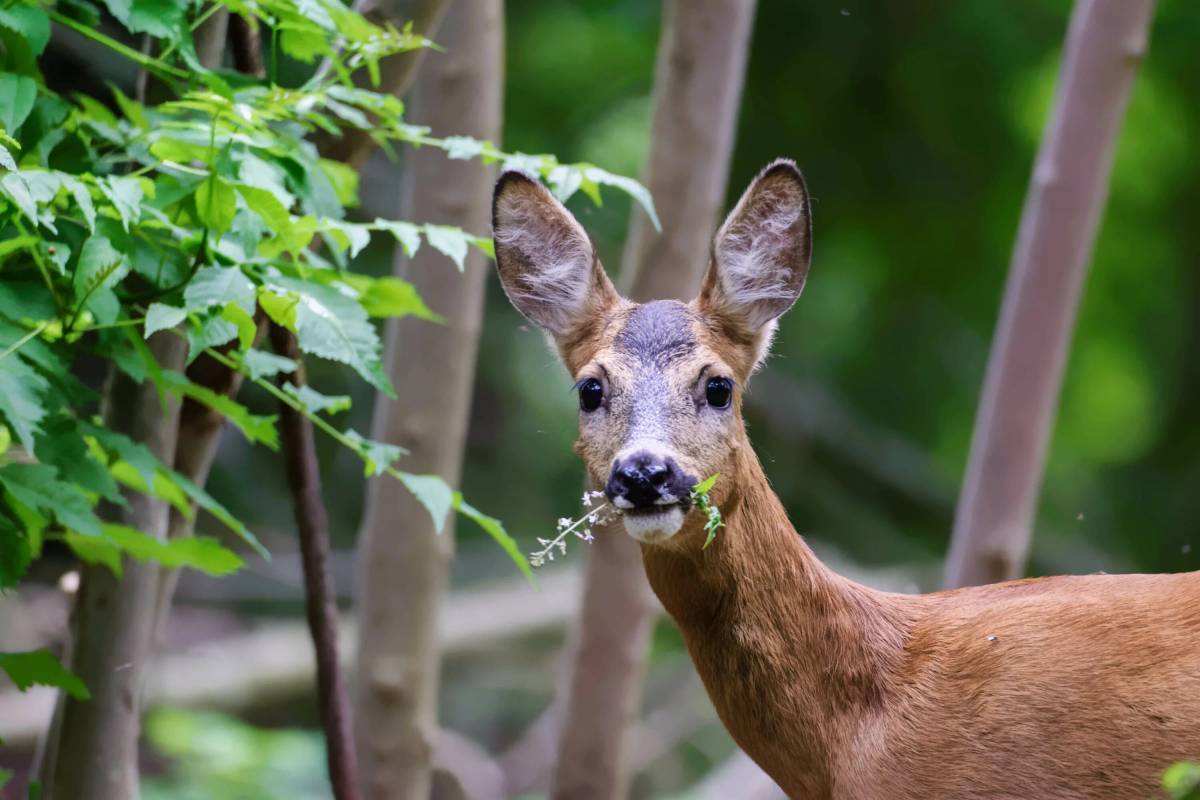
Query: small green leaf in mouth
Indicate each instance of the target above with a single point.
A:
(711, 512)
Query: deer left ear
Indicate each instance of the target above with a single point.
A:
(760, 257)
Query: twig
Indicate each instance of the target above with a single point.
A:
(320, 599)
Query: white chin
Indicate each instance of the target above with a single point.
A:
(654, 527)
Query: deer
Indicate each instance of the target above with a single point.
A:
(1055, 687)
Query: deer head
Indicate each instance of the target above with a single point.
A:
(660, 384)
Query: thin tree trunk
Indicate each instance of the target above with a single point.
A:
(698, 85)
(1106, 41)
(403, 560)
(92, 749)
(396, 74)
(320, 599)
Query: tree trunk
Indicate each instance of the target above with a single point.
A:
(404, 561)
(697, 91)
(992, 528)
(92, 749)
(396, 73)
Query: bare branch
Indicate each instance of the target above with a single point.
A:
(993, 526)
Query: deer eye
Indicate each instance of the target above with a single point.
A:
(718, 392)
(591, 394)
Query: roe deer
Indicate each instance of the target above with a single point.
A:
(1079, 687)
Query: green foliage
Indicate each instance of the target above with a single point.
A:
(121, 220)
(712, 514)
(40, 667)
(1182, 781)
(213, 756)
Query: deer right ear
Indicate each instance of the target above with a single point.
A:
(547, 264)
(760, 256)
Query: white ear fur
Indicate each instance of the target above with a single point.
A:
(761, 253)
(547, 264)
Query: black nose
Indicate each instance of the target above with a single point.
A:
(643, 479)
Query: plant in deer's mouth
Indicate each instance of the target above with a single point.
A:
(580, 527)
(712, 513)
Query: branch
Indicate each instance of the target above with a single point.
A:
(698, 85)
(992, 529)
(320, 601)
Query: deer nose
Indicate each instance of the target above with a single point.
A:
(642, 480)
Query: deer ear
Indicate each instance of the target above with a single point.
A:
(760, 255)
(547, 264)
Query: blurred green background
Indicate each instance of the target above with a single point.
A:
(916, 124)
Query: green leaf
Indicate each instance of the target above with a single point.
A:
(280, 307)
(254, 427)
(206, 502)
(160, 18)
(391, 297)
(83, 199)
(6, 159)
(13, 184)
(99, 268)
(21, 391)
(495, 529)
(433, 493)
(30, 23)
(201, 553)
(16, 551)
(274, 215)
(315, 402)
(704, 486)
(38, 486)
(246, 326)
(629, 186)
(17, 93)
(134, 111)
(139, 457)
(209, 330)
(462, 147)
(41, 668)
(407, 234)
(349, 235)
(216, 286)
(343, 179)
(126, 195)
(161, 317)
(95, 550)
(376, 456)
(61, 444)
(260, 364)
(331, 325)
(216, 203)
(449, 241)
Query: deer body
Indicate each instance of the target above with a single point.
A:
(1068, 687)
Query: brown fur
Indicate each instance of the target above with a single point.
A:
(1066, 687)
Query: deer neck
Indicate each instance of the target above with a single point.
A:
(793, 656)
